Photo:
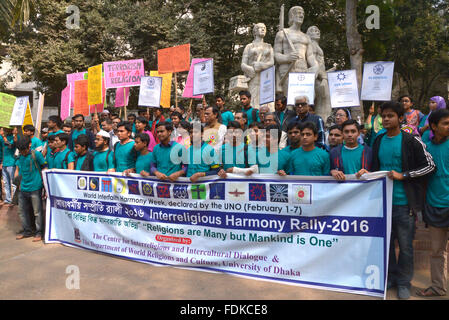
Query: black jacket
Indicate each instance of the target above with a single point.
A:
(417, 164)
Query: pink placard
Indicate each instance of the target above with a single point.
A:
(119, 74)
(71, 78)
(188, 90)
(65, 102)
(121, 97)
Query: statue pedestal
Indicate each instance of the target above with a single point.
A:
(238, 83)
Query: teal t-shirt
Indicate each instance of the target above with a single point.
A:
(125, 156)
(143, 163)
(35, 143)
(9, 159)
(310, 163)
(168, 159)
(77, 133)
(227, 117)
(51, 133)
(438, 187)
(50, 158)
(235, 156)
(201, 159)
(249, 113)
(271, 163)
(31, 177)
(426, 136)
(59, 161)
(103, 161)
(390, 157)
(352, 159)
(80, 161)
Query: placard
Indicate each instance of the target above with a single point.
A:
(377, 81)
(343, 89)
(121, 97)
(174, 59)
(150, 92)
(301, 84)
(81, 106)
(188, 89)
(267, 86)
(71, 78)
(119, 74)
(95, 85)
(7, 102)
(203, 77)
(166, 87)
(19, 110)
(65, 102)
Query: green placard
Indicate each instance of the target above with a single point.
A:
(6, 107)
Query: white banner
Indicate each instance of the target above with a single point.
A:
(377, 81)
(267, 85)
(150, 92)
(343, 89)
(308, 231)
(18, 113)
(301, 84)
(203, 77)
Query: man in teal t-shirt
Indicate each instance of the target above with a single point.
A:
(8, 163)
(406, 159)
(436, 208)
(103, 156)
(83, 157)
(144, 156)
(309, 160)
(124, 153)
(226, 115)
(270, 159)
(350, 157)
(167, 155)
(36, 143)
(64, 158)
(253, 114)
(29, 166)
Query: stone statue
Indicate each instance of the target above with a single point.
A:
(293, 49)
(322, 95)
(257, 57)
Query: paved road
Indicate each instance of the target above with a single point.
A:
(38, 271)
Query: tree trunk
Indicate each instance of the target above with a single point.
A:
(355, 46)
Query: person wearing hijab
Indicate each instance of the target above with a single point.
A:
(435, 103)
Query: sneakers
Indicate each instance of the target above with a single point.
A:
(403, 292)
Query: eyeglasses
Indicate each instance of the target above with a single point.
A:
(302, 104)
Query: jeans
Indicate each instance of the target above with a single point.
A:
(31, 202)
(8, 178)
(400, 269)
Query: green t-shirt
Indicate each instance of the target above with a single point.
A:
(143, 163)
(352, 159)
(102, 161)
(310, 163)
(390, 157)
(235, 156)
(51, 133)
(201, 159)
(438, 187)
(9, 159)
(168, 159)
(31, 176)
(125, 156)
(271, 163)
(227, 117)
(50, 158)
(79, 161)
(35, 143)
(59, 160)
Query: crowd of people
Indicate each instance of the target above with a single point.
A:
(291, 140)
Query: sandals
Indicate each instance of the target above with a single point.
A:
(429, 292)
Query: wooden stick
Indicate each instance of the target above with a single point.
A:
(176, 90)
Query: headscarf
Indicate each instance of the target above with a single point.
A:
(441, 104)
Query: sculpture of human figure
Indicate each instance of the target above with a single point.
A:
(257, 57)
(293, 50)
(322, 96)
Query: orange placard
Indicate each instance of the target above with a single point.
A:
(174, 59)
(81, 106)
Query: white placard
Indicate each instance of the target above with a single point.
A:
(203, 77)
(18, 113)
(150, 92)
(377, 81)
(267, 85)
(343, 89)
(301, 84)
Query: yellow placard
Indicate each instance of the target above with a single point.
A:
(166, 87)
(94, 85)
(28, 119)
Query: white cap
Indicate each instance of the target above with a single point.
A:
(105, 111)
(103, 134)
